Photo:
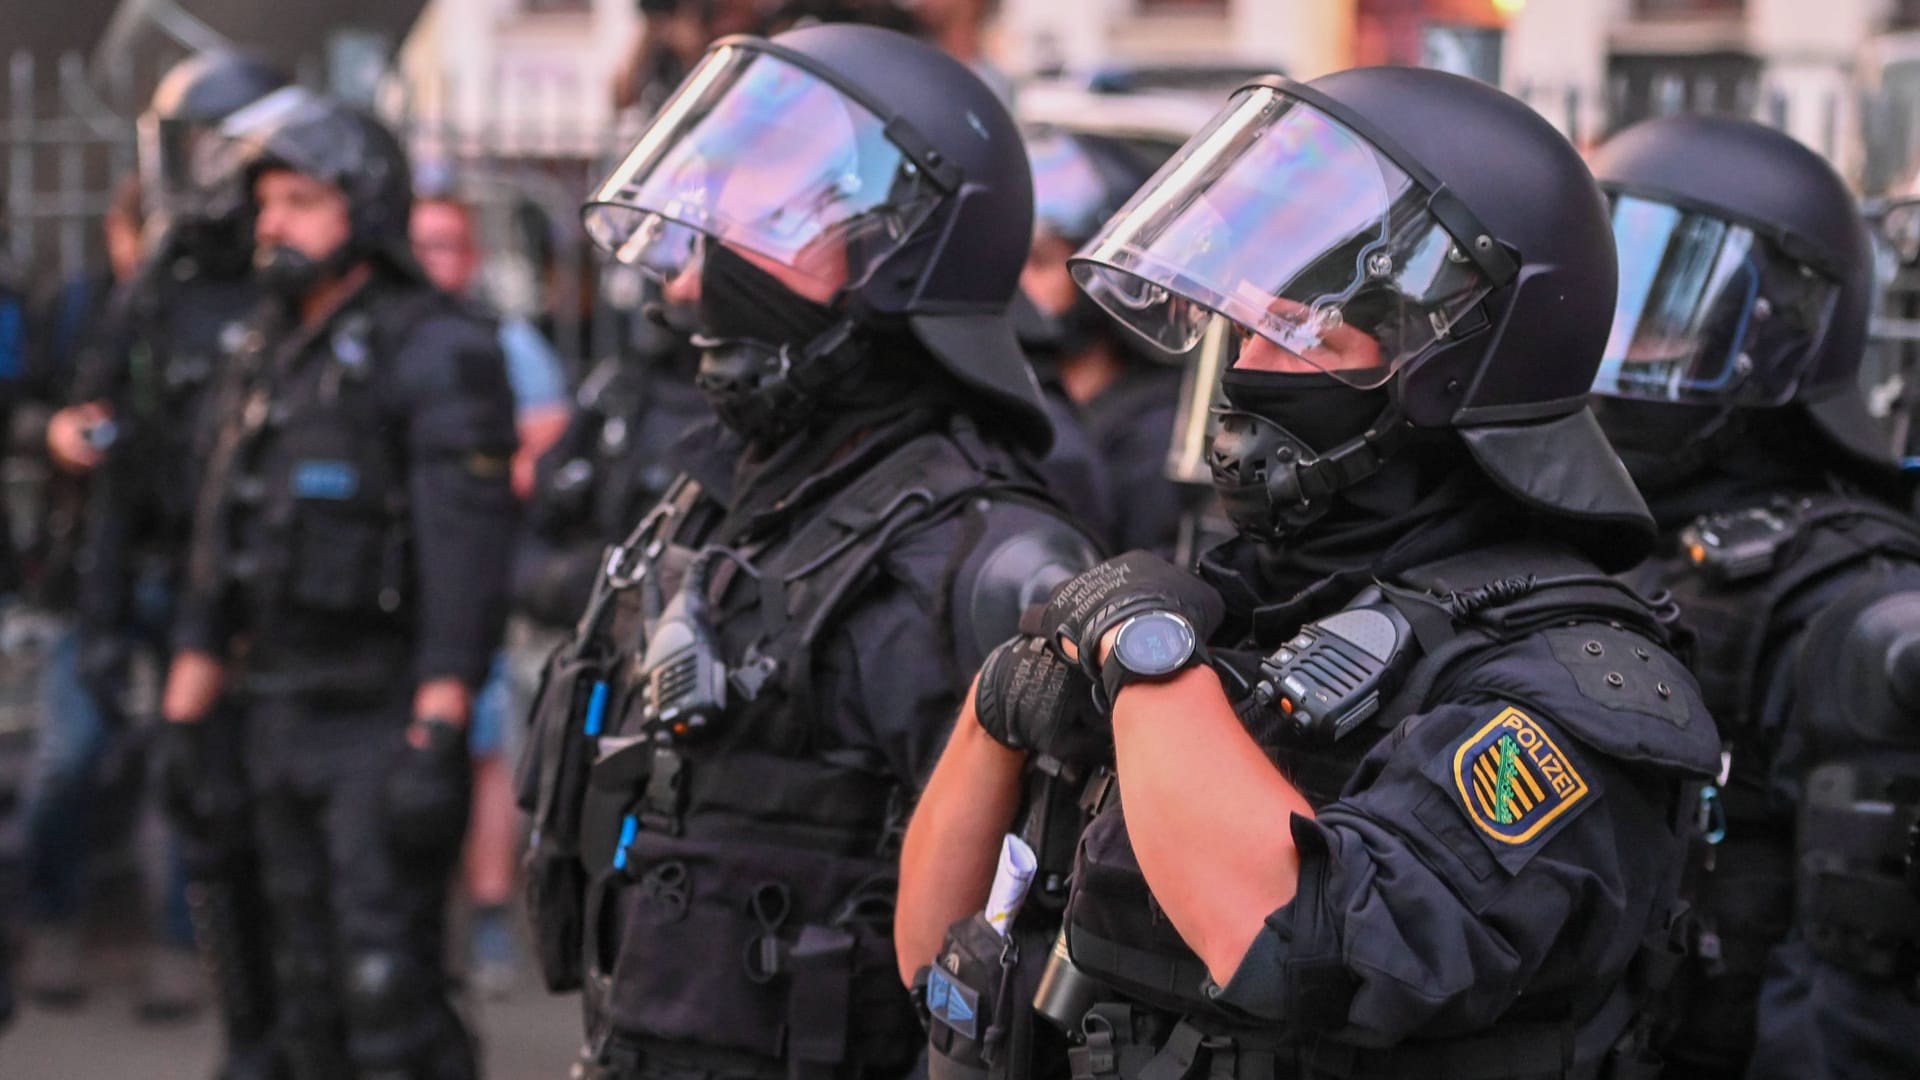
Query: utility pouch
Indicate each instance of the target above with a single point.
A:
(1116, 932)
(969, 1000)
(568, 715)
(770, 950)
(338, 561)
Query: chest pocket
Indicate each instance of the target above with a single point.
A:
(343, 510)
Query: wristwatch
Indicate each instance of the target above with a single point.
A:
(1149, 647)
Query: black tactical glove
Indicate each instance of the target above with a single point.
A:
(1084, 608)
(1028, 699)
(201, 797)
(430, 789)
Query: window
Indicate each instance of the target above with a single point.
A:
(1668, 9)
(1181, 7)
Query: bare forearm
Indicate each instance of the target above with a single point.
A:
(1207, 813)
(953, 841)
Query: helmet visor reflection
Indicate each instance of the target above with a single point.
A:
(760, 154)
(1070, 197)
(1709, 310)
(1285, 221)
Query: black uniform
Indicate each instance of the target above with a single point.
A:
(1447, 882)
(1798, 900)
(155, 367)
(166, 340)
(610, 466)
(766, 829)
(1131, 423)
(1788, 543)
(1415, 624)
(727, 752)
(348, 549)
(169, 334)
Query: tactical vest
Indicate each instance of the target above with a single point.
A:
(1748, 582)
(1158, 1021)
(737, 878)
(307, 528)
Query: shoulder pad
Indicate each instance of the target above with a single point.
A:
(1022, 553)
(1613, 689)
(1858, 668)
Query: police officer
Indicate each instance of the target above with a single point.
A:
(1402, 769)
(1729, 386)
(1126, 395)
(142, 384)
(609, 466)
(347, 565)
(847, 211)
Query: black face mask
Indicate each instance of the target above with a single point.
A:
(1276, 422)
(756, 335)
(741, 302)
(1315, 408)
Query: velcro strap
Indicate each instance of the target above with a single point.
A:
(1177, 1055)
(1180, 976)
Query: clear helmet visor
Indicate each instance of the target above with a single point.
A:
(194, 169)
(1709, 310)
(1321, 250)
(757, 153)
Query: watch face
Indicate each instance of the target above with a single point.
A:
(1156, 643)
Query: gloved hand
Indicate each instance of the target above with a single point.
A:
(1028, 699)
(1084, 608)
(199, 796)
(430, 788)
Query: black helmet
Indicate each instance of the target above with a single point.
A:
(855, 149)
(192, 99)
(316, 136)
(1447, 223)
(1747, 276)
(1081, 180)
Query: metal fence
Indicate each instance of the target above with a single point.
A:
(62, 152)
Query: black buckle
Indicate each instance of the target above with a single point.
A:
(665, 798)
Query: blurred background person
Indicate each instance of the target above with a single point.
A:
(81, 734)
(350, 562)
(610, 466)
(443, 232)
(1125, 398)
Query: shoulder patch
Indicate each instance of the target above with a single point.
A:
(1516, 784)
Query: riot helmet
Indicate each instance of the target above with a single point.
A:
(319, 137)
(835, 181)
(193, 98)
(1424, 243)
(1079, 181)
(1746, 283)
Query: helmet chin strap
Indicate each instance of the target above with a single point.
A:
(1273, 484)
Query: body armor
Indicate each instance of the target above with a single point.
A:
(307, 533)
(1752, 584)
(1154, 1012)
(678, 738)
